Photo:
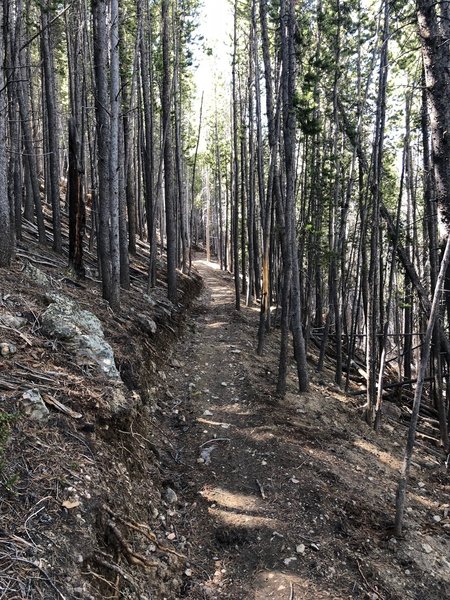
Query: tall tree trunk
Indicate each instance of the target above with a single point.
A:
(235, 187)
(51, 129)
(102, 111)
(5, 219)
(434, 31)
(169, 187)
(375, 244)
(290, 258)
(77, 216)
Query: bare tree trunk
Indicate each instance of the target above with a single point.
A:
(51, 129)
(264, 319)
(375, 244)
(100, 38)
(5, 220)
(168, 157)
(77, 217)
(434, 30)
(235, 187)
(291, 268)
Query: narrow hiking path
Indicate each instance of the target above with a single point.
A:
(288, 499)
(232, 459)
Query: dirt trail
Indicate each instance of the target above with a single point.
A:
(287, 500)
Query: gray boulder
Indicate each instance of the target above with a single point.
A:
(80, 332)
(36, 274)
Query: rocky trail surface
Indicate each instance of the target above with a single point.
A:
(292, 499)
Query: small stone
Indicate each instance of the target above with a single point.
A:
(200, 460)
(392, 544)
(224, 384)
(7, 349)
(287, 561)
(207, 413)
(421, 484)
(188, 572)
(427, 548)
(175, 363)
(171, 536)
(300, 549)
(294, 480)
(170, 496)
(437, 519)
(12, 321)
(147, 324)
(33, 406)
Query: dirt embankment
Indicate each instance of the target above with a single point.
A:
(206, 486)
(82, 495)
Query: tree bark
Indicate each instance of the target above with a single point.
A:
(51, 130)
(102, 106)
(434, 31)
(169, 186)
(5, 218)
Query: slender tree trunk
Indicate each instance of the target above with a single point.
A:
(235, 196)
(102, 100)
(169, 187)
(51, 129)
(5, 219)
(290, 259)
(77, 217)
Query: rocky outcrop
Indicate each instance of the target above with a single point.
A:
(80, 332)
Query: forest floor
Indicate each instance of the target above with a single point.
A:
(206, 486)
(292, 499)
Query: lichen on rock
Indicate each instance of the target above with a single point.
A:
(80, 332)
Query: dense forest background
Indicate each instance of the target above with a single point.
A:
(319, 176)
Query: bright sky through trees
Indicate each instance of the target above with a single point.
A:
(213, 54)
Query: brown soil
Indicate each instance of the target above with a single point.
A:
(287, 499)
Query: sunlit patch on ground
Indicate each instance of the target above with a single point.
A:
(288, 586)
(233, 500)
(233, 519)
(385, 457)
